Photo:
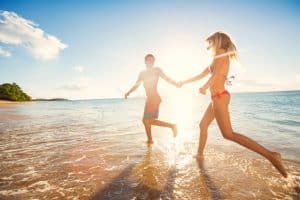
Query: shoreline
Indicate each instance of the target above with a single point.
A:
(10, 104)
(13, 102)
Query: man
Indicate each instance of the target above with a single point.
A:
(150, 77)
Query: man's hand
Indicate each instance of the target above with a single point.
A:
(202, 90)
(126, 95)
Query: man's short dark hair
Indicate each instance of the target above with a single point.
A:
(149, 56)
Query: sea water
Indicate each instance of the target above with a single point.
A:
(95, 149)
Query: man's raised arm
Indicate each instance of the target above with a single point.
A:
(135, 86)
(166, 78)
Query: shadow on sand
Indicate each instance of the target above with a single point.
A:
(151, 179)
(140, 181)
(297, 193)
(206, 180)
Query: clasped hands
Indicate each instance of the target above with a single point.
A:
(179, 84)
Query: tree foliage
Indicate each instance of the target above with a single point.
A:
(13, 92)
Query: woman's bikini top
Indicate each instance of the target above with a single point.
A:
(210, 68)
(220, 56)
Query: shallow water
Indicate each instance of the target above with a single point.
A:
(95, 149)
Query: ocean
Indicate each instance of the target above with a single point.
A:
(96, 149)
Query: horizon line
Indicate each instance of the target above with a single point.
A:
(137, 97)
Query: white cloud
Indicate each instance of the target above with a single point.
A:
(4, 52)
(77, 84)
(79, 68)
(255, 83)
(71, 86)
(83, 88)
(15, 30)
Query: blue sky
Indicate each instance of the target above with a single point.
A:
(94, 49)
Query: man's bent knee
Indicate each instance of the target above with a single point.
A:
(147, 121)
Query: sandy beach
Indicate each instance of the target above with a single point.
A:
(11, 103)
(8, 104)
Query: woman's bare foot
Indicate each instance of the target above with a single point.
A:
(277, 163)
(174, 129)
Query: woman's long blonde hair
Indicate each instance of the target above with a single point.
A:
(222, 40)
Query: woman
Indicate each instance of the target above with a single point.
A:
(224, 50)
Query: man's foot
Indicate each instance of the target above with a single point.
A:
(149, 142)
(174, 129)
(277, 163)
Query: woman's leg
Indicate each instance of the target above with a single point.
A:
(147, 124)
(207, 118)
(220, 107)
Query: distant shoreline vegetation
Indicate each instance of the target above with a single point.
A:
(54, 99)
(13, 92)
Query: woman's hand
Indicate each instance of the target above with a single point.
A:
(202, 90)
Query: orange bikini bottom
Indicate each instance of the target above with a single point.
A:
(219, 94)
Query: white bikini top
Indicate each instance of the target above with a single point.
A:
(225, 54)
(221, 56)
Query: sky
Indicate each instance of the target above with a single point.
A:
(96, 49)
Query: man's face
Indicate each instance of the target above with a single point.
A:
(149, 61)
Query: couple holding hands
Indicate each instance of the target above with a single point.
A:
(223, 50)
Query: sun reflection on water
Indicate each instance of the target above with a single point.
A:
(179, 151)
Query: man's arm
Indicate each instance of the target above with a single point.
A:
(135, 86)
(166, 78)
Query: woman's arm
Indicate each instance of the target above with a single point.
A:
(208, 83)
(220, 69)
(198, 77)
(166, 78)
(135, 86)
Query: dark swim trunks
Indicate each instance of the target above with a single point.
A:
(152, 108)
